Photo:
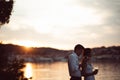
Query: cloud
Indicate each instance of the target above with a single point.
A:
(63, 23)
(22, 34)
(110, 8)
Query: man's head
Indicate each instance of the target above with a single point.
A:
(79, 49)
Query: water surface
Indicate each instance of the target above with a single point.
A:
(59, 71)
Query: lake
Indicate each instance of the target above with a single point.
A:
(59, 71)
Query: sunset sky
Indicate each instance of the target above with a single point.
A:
(63, 23)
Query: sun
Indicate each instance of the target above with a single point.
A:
(27, 43)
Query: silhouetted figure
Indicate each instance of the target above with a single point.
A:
(73, 62)
(74, 66)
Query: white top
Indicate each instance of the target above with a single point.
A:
(89, 69)
(73, 65)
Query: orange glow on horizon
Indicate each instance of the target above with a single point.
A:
(26, 44)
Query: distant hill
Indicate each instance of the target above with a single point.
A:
(51, 54)
(110, 53)
(33, 54)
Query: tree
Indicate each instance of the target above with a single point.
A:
(6, 7)
(10, 68)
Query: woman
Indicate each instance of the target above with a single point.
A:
(86, 65)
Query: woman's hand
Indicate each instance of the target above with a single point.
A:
(95, 71)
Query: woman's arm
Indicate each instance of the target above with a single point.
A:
(84, 66)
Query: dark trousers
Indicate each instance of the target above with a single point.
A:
(75, 78)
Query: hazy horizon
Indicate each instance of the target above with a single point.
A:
(62, 24)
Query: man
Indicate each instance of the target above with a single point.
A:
(73, 62)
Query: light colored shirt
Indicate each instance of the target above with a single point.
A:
(89, 69)
(73, 65)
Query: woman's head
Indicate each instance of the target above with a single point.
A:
(87, 52)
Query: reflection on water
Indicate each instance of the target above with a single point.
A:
(108, 70)
(28, 70)
(59, 71)
(48, 71)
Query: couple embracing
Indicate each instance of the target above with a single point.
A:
(85, 69)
